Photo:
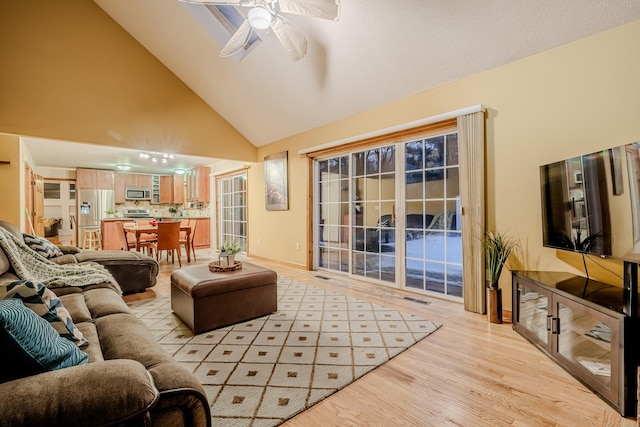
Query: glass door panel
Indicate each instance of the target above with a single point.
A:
(333, 224)
(586, 342)
(374, 199)
(357, 200)
(534, 320)
(432, 206)
(233, 210)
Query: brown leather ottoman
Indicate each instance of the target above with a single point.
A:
(206, 300)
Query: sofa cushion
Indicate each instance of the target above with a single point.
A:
(5, 280)
(69, 249)
(93, 350)
(74, 302)
(105, 255)
(65, 259)
(103, 302)
(47, 305)
(5, 265)
(30, 345)
(11, 229)
(42, 246)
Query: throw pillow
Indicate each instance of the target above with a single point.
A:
(30, 345)
(46, 304)
(42, 246)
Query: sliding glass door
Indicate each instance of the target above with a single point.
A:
(373, 227)
(232, 214)
(391, 214)
(432, 205)
(333, 213)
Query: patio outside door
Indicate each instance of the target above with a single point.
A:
(391, 214)
(232, 214)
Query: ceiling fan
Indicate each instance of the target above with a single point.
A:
(265, 14)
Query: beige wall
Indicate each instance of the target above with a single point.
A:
(70, 72)
(10, 179)
(578, 98)
(76, 75)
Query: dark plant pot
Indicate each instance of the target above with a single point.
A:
(494, 305)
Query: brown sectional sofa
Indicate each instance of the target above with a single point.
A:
(129, 378)
(134, 271)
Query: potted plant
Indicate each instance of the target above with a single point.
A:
(110, 213)
(228, 252)
(497, 248)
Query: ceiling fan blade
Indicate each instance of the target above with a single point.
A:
(325, 9)
(294, 41)
(214, 2)
(237, 40)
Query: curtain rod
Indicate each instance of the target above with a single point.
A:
(421, 122)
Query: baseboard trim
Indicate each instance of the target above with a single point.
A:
(280, 262)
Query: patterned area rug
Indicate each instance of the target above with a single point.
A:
(267, 370)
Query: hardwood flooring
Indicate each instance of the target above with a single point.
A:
(468, 373)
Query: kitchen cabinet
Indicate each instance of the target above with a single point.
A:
(155, 189)
(172, 189)
(178, 189)
(122, 181)
(120, 186)
(110, 234)
(166, 189)
(94, 179)
(202, 235)
(138, 180)
(197, 186)
(580, 323)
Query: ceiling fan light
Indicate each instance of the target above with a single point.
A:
(259, 18)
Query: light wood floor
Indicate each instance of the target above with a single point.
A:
(468, 373)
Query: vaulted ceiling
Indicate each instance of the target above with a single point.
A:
(377, 52)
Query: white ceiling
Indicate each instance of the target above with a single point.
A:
(378, 51)
(69, 155)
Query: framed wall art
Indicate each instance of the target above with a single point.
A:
(276, 189)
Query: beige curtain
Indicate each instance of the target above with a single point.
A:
(471, 153)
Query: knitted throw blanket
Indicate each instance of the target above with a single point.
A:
(30, 265)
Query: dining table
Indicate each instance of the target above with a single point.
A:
(140, 229)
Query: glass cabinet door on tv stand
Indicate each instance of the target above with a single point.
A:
(533, 314)
(587, 342)
(586, 339)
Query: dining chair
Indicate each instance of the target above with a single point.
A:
(127, 243)
(188, 243)
(168, 240)
(74, 227)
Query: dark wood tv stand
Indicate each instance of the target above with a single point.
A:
(583, 325)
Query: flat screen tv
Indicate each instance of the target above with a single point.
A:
(591, 203)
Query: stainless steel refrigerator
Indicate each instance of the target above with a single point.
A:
(92, 207)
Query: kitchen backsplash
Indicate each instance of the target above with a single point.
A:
(163, 210)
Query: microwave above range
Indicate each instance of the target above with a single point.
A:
(137, 194)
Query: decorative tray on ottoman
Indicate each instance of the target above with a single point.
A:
(215, 266)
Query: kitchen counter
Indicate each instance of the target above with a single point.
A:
(150, 218)
(184, 217)
(111, 239)
(128, 219)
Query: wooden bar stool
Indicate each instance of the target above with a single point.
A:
(91, 238)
